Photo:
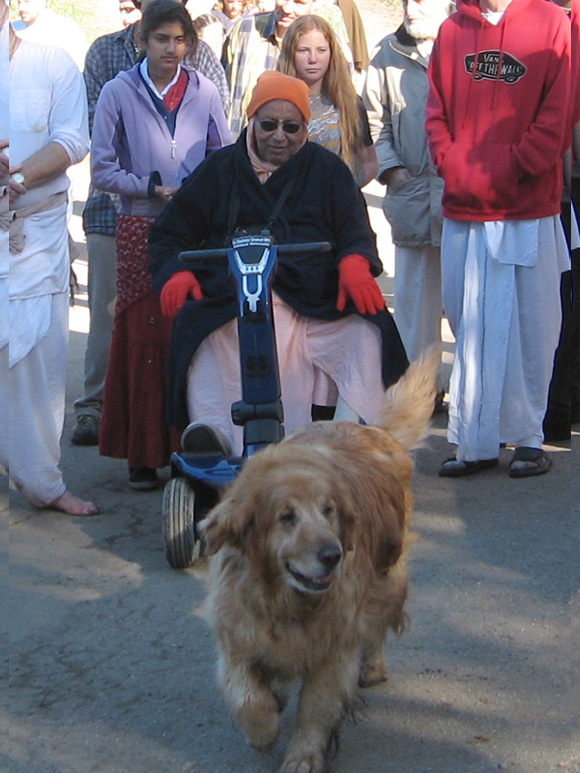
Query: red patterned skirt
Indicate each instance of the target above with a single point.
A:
(133, 424)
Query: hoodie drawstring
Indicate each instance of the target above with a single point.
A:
(503, 25)
(473, 74)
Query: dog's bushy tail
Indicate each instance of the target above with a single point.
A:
(409, 403)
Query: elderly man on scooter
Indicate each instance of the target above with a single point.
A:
(337, 343)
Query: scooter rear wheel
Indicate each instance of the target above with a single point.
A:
(182, 544)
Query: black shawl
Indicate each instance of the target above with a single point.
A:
(323, 204)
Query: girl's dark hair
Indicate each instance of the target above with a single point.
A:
(161, 12)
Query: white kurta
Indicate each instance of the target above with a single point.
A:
(48, 104)
(501, 294)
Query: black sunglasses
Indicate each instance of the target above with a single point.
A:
(288, 127)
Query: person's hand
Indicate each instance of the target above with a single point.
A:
(16, 189)
(395, 177)
(356, 281)
(164, 192)
(177, 290)
(4, 162)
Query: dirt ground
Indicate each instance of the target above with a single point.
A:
(110, 669)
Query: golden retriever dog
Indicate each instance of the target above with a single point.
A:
(307, 570)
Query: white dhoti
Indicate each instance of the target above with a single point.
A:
(37, 385)
(38, 308)
(501, 293)
(418, 304)
(318, 360)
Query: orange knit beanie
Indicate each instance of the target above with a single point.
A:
(275, 85)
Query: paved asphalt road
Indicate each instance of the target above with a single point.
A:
(112, 671)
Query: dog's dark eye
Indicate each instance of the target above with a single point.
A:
(328, 511)
(288, 517)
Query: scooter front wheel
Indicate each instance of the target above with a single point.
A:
(182, 543)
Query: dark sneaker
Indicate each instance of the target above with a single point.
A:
(199, 438)
(86, 432)
(142, 478)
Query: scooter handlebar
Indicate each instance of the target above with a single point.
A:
(190, 256)
(304, 248)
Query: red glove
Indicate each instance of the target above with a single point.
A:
(356, 281)
(176, 291)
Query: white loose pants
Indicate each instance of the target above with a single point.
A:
(506, 321)
(418, 304)
(36, 389)
(316, 358)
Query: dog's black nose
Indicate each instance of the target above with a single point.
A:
(329, 555)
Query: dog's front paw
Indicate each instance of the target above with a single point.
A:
(373, 670)
(298, 761)
(259, 723)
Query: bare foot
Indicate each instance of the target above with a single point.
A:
(71, 505)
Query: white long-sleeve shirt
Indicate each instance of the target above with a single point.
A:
(48, 103)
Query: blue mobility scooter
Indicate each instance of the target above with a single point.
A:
(197, 478)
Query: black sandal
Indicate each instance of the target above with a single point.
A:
(453, 468)
(529, 461)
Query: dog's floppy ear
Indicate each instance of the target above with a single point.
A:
(229, 523)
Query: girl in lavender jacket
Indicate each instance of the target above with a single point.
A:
(154, 124)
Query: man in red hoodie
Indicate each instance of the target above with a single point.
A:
(498, 121)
